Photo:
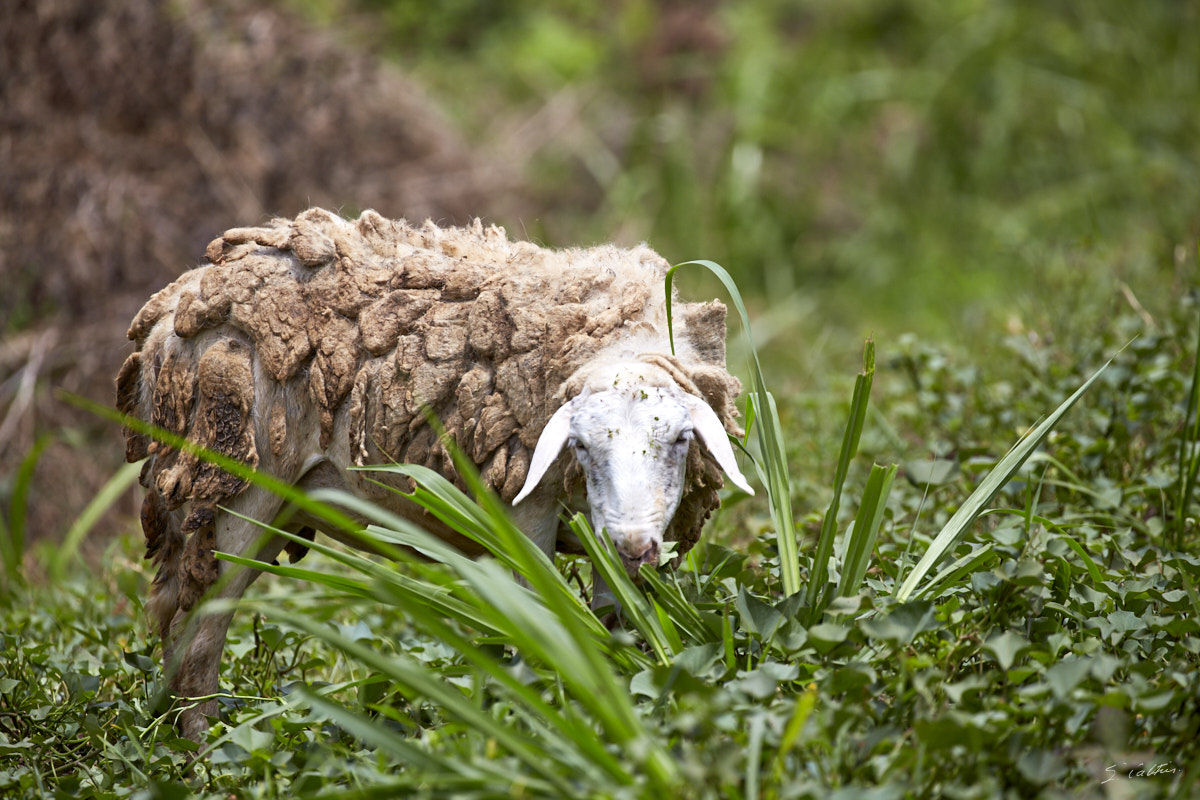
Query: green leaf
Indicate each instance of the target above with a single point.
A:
(930, 473)
(756, 684)
(1040, 766)
(963, 691)
(1064, 676)
(1156, 702)
(251, 739)
(1126, 621)
(1006, 647)
(168, 790)
(141, 663)
(827, 635)
(903, 623)
(699, 659)
(756, 616)
(852, 677)
(950, 730)
(644, 684)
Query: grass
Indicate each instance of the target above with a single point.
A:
(1038, 644)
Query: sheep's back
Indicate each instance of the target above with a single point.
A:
(370, 323)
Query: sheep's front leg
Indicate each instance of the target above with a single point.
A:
(602, 595)
(202, 637)
(537, 517)
(196, 640)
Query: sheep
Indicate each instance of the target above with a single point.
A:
(314, 344)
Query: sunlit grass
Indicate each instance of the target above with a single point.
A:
(447, 675)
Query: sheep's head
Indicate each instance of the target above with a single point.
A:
(632, 442)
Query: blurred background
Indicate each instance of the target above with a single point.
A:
(954, 170)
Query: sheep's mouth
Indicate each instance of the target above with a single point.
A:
(634, 564)
(632, 567)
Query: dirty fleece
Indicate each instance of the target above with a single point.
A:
(359, 325)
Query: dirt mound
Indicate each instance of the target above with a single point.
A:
(134, 131)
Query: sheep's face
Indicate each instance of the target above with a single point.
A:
(632, 443)
(632, 446)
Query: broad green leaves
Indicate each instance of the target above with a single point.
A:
(958, 525)
(1051, 619)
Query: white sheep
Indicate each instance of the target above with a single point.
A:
(314, 344)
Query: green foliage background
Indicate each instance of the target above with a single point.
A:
(907, 163)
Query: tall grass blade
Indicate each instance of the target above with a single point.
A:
(758, 729)
(769, 434)
(338, 519)
(451, 506)
(431, 591)
(607, 565)
(805, 704)
(1089, 563)
(684, 614)
(550, 624)
(558, 630)
(538, 754)
(547, 719)
(117, 485)
(1189, 450)
(1093, 570)
(389, 585)
(12, 534)
(335, 583)
(978, 559)
(389, 741)
(958, 524)
(571, 649)
(861, 542)
(850, 438)
(491, 528)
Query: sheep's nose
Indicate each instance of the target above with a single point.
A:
(637, 551)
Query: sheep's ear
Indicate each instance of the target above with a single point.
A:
(549, 445)
(710, 430)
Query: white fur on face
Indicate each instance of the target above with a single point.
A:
(632, 444)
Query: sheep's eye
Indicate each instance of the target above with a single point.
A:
(684, 437)
(578, 447)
